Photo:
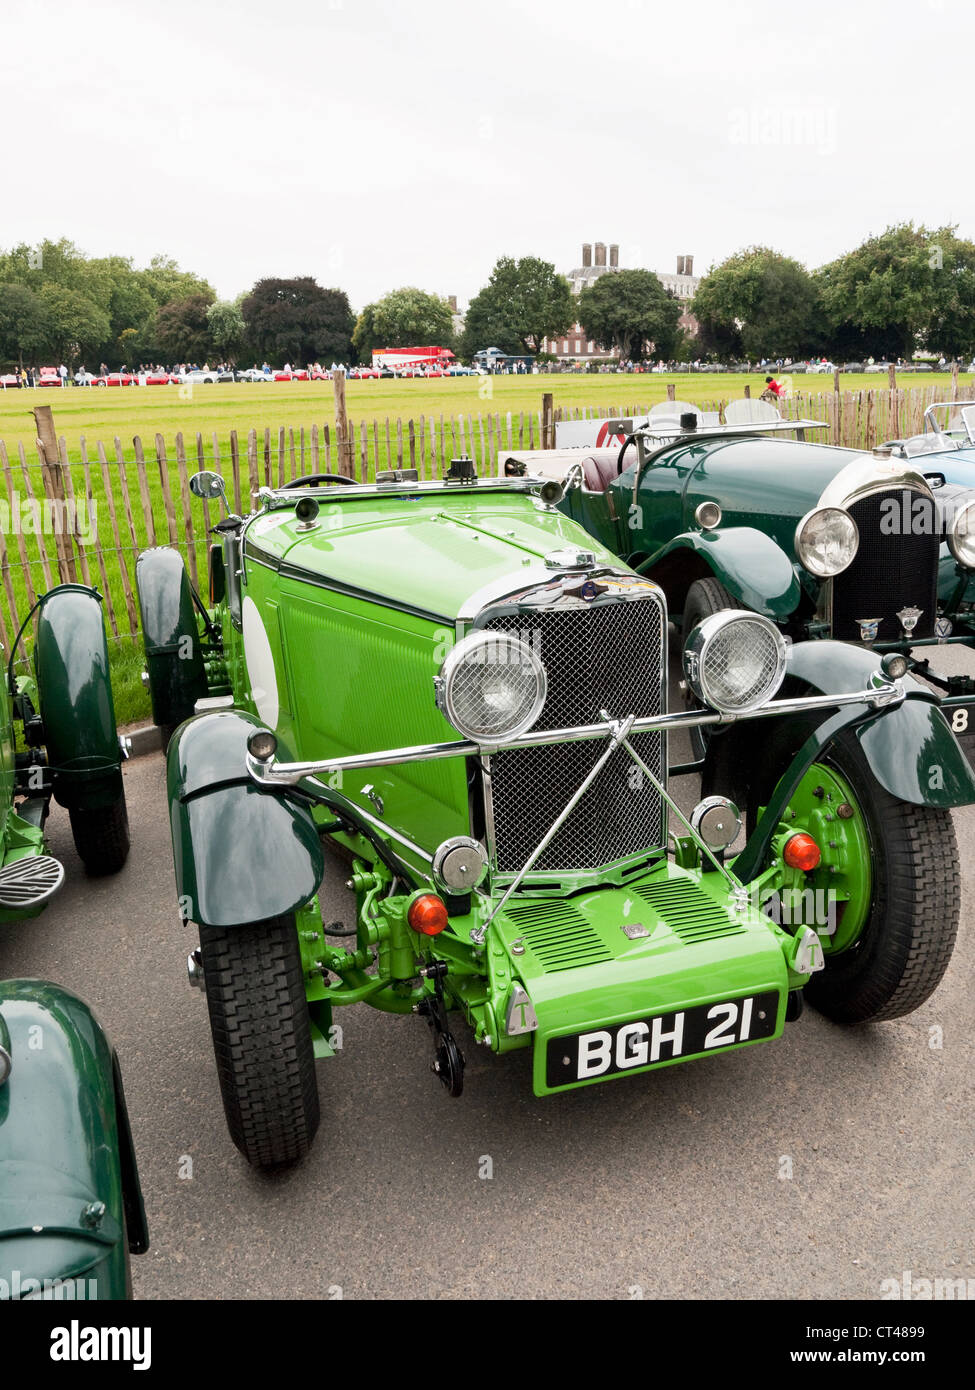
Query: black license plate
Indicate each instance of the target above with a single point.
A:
(622, 1047)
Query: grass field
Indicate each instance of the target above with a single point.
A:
(122, 413)
(146, 410)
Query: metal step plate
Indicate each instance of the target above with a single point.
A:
(30, 881)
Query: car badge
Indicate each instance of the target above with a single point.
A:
(634, 930)
(868, 629)
(589, 590)
(943, 629)
(908, 619)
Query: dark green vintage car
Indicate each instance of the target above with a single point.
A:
(70, 1204)
(452, 687)
(874, 548)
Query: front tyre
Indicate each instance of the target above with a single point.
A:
(101, 836)
(897, 957)
(262, 1038)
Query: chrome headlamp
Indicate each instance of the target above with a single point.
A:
(734, 661)
(961, 535)
(491, 687)
(826, 541)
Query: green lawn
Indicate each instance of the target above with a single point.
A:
(126, 411)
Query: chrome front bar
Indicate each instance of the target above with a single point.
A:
(881, 692)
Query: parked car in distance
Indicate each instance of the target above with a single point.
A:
(505, 819)
(9, 381)
(49, 376)
(161, 379)
(200, 376)
(254, 374)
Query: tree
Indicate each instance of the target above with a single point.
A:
(529, 299)
(484, 326)
(299, 320)
(406, 317)
(628, 309)
(227, 329)
(909, 287)
(759, 303)
(182, 330)
(24, 323)
(76, 326)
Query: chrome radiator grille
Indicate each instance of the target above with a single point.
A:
(895, 568)
(597, 656)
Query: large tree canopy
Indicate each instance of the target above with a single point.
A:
(225, 319)
(183, 330)
(298, 320)
(909, 287)
(93, 307)
(530, 298)
(759, 303)
(631, 312)
(406, 317)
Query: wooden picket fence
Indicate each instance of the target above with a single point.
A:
(84, 514)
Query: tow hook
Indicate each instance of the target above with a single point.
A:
(448, 1060)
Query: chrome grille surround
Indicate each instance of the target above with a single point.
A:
(609, 653)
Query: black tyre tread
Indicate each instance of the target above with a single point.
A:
(893, 973)
(101, 836)
(907, 940)
(704, 597)
(262, 1039)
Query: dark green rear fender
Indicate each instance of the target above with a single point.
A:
(241, 854)
(911, 750)
(75, 694)
(748, 563)
(64, 1145)
(170, 632)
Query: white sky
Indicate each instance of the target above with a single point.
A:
(374, 144)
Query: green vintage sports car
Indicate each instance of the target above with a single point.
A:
(452, 686)
(874, 548)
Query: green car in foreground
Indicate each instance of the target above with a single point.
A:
(451, 686)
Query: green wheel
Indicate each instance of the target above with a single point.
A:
(892, 870)
(262, 1038)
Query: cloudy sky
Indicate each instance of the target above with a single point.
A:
(374, 144)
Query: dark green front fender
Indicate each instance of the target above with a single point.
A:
(170, 632)
(751, 566)
(242, 854)
(69, 1189)
(911, 749)
(75, 696)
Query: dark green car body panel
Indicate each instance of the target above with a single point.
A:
(70, 1203)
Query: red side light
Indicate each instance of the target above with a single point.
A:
(801, 852)
(427, 914)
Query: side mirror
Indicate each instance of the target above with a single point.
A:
(208, 485)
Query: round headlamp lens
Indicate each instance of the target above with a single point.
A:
(961, 535)
(492, 687)
(735, 661)
(827, 541)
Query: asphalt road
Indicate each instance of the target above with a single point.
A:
(815, 1167)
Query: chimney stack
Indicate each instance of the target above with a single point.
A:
(680, 265)
(600, 249)
(688, 265)
(452, 302)
(614, 255)
(586, 253)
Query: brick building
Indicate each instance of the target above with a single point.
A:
(574, 346)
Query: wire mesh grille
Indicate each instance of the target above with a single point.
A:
(597, 656)
(896, 567)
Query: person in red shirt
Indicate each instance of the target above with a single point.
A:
(773, 387)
